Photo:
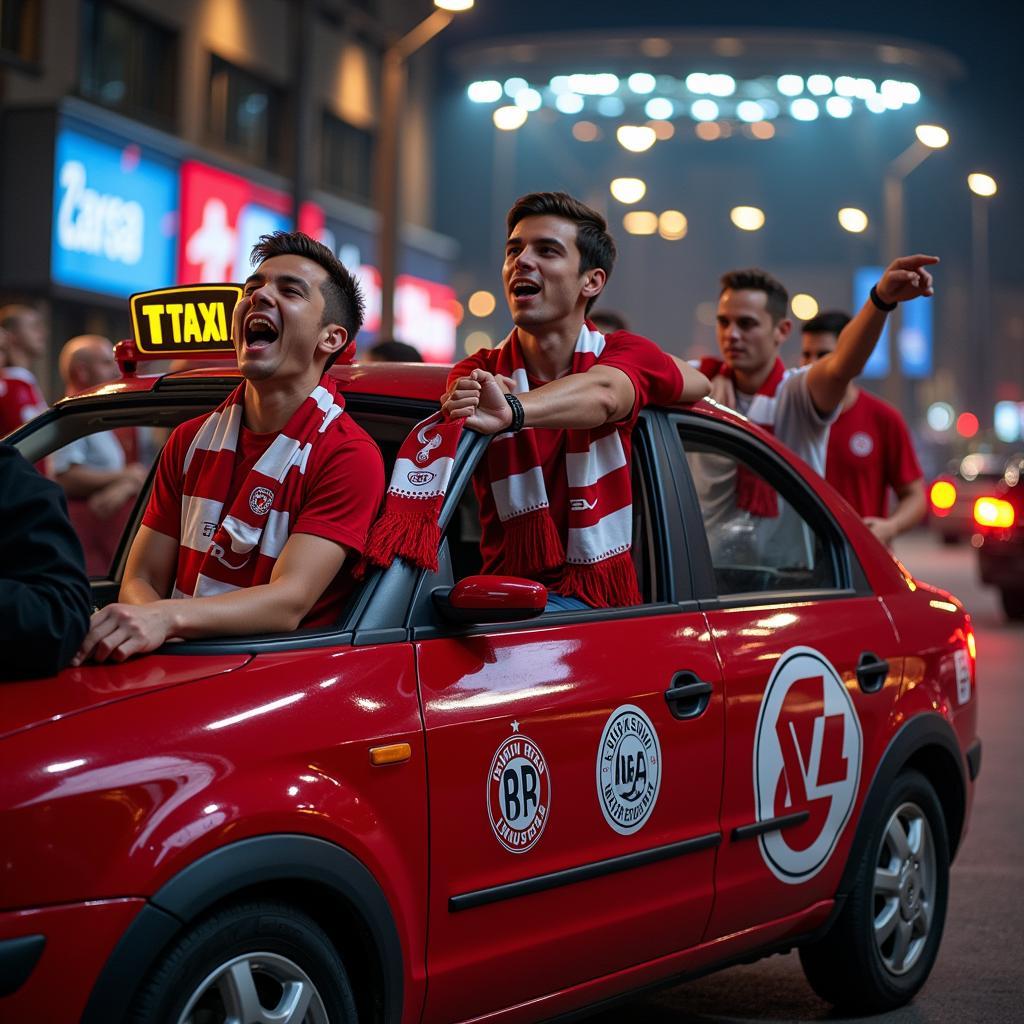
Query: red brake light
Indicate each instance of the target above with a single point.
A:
(994, 512)
(943, 494)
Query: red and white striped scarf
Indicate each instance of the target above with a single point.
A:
(753, 494)
(238, 549)
(596, 563)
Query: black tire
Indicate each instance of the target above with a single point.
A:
(853, 966)
(1013, 603)
(282, 951)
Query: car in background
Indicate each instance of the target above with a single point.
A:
(452, 806)
(952, 495)
(999, 524)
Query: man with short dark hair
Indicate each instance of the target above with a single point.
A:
(869, 446)
(563, 398)
(20, 396)
(797, 406)
(257, 507)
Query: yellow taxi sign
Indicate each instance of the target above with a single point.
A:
(185, 320)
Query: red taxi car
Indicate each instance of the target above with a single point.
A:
(451, 807)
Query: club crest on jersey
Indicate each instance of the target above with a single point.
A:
(628, 769)
(518, 793)
(862, 444)
(808, 749)
(260, 500)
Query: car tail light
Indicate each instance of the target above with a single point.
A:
(942, 495)
(994, 512)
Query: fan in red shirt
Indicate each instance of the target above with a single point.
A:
(869, 446)
(563, 398)
(260, 508)
(25, 341)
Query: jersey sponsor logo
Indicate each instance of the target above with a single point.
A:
(260, 500)
(518, 793)
(420, 478)
(628, 769)
(582, 505)
(807, 757)
(862, 444)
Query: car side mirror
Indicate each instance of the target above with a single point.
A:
(481, 599)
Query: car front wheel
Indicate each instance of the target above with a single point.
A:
(882, 946)
(255, 963)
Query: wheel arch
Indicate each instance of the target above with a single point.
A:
(927, 744)
(324, 880)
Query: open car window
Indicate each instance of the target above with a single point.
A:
(764, 531)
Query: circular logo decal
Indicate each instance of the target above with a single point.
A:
(260, 500)
(807, 757)
(628, 769)
(861, 444)
(518, 793)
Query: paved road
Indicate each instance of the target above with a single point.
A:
(979, 975)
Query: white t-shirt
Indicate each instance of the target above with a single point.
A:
(736, 536)
(94, 451)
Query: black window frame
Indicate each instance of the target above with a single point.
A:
(330, 123)
(279, 127)
(166, 73)
(21, 24)
(846, 567)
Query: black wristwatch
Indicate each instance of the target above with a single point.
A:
(885, 307)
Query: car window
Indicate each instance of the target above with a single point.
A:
(462, 536)
(758, 540)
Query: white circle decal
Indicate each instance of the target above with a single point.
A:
(628, 769)
(518, 793)
(861, 444)
(807, 757)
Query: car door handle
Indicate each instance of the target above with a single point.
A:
(871, 672)
(688, 696)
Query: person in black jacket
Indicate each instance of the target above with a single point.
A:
(45, 599)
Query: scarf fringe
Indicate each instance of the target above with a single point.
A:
(531, 544)
(608, 584)
(411, 534)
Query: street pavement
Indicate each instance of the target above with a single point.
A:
(979, 975)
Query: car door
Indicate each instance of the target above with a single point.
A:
(573, 808)
(805, 648)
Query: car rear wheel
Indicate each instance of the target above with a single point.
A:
(255, 963)
(882, 946)
(1013, 603)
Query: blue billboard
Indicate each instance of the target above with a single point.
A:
(114, 215)
(877, 365)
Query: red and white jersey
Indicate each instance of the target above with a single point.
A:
(869, 452)
(20, 398)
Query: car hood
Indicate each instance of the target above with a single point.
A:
(26, 704)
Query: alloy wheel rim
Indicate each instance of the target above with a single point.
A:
(256, 988)
(904, 889)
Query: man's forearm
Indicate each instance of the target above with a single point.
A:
(910, 509)
(579, 401)
(81, 481)
(267, 608)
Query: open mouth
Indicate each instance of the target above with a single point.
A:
(259, 331)
(522, 288)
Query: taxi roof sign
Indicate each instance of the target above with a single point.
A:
(184, 321)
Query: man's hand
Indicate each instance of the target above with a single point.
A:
(480, 400)
(884, 529)
(121, 630)
(905, 278)
(108, 500)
